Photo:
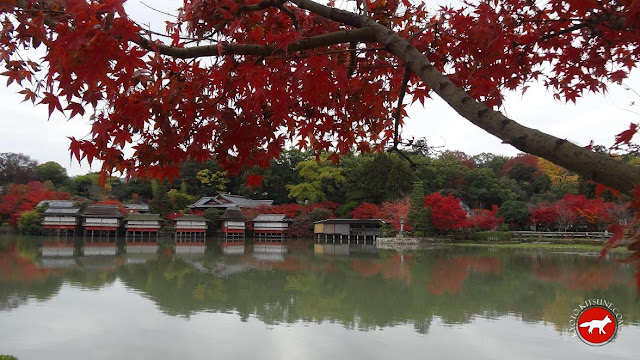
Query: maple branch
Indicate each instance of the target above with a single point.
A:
(403, 90)
(313, 42)
(265, 4)
(595, 166)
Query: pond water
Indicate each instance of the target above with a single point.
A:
(446, 302)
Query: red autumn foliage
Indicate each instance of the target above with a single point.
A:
(524, 159)
(391, 211)
(120, 205)
(24, 197)
(483, 219)
(446, 212)
(366, 211)
(545, 215)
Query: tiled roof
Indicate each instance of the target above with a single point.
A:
(62, 211)
(188, 217)
(138, 207)
(233, 214)
(133, 217)
(228, 201)
(108, 211)
(57, 203)
(271, 218)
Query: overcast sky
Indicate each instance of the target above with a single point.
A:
(26, 129)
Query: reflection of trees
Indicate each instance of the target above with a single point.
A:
(454, 285)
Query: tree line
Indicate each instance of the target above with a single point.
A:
(434, 191)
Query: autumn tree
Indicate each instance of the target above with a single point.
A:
(237, 80)
(16, 168)
(446, 212)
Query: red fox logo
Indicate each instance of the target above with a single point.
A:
(600, 324)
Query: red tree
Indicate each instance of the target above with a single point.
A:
(20, 198)
(545, 215)
(483, 219)
(446, 212)
(366, 211)
(311, 73)
(327, 79)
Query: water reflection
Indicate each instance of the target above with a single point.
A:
(365, 290)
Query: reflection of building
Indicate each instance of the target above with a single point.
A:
(347, 231)
(225, 201)
(142, 233)
(272, 227)
(190, 228)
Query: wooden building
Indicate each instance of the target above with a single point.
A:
(270, 231)
(101, 220)
(190, 228)
(226, 201)
(233, 225)
(270, 227)
(61, 221)
(347, 231)
(141, 227)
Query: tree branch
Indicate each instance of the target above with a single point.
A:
(597, 167)
(318, 41)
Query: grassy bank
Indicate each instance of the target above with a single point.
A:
(544, 246)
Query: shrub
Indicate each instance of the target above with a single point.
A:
(30, 222)
(492, 236)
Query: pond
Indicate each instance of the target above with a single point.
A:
(445, 302)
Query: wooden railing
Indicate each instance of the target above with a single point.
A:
(563, 234)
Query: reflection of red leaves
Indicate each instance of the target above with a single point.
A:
(593, 278)
(449, 274)
(15, 268)
(366, 268)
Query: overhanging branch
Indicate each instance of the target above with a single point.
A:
(314, 42)
(598, 167)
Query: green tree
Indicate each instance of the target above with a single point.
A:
(515, 213)
(179, 200)
(417, 196)
(216, 181)
(52, 171)
(160, 204)
(30, 222)
(376, 178)
(282, 172)
(323, 180)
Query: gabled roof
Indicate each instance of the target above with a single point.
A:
(233, 214)
(106, 211)
(189, 217)
(147, 217)
(57, 203)
(271, 218)
(228, 201)
(62, 211)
